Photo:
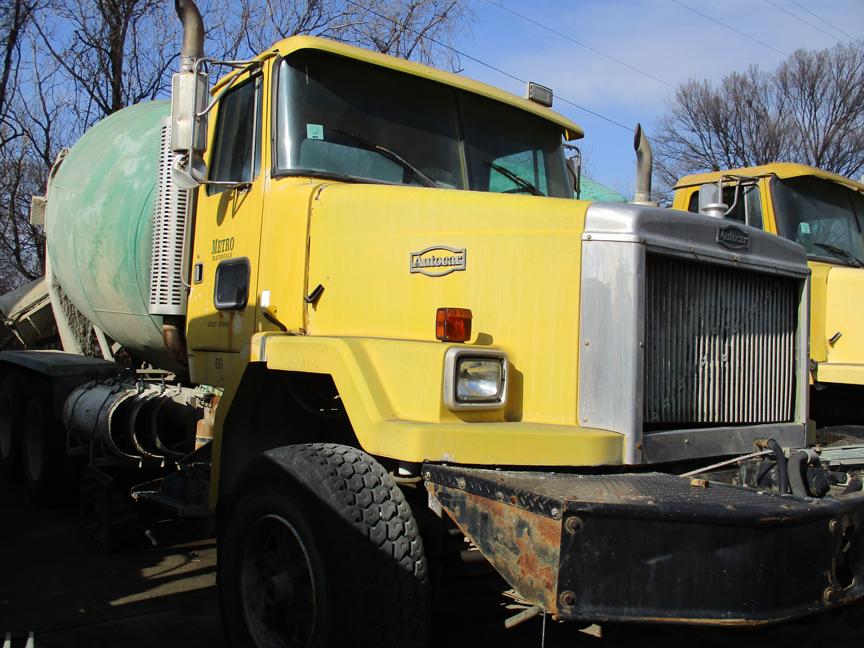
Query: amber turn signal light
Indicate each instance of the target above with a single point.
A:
(453, 324)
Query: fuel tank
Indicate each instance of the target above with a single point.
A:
(99, 226)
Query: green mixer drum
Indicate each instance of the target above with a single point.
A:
(99, 223)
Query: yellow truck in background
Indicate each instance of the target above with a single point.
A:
(824, 213)
(365, 313)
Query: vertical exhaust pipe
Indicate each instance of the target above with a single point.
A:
(193, 33)
(644, 168)
(189, 94)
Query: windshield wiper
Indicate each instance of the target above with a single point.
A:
(390, 155)
(515, 179)
(842, 253)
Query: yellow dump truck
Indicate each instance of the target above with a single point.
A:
(824, 213)
(348, 305)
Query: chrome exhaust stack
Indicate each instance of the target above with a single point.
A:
(644, 168)
(189, 98)
(193, 33)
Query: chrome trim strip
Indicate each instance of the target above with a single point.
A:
(611, 345)
(802, 358)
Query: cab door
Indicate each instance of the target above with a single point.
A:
(222, 299)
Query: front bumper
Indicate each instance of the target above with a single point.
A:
(656, 547)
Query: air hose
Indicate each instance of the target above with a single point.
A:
(797, 460)
(782, 469)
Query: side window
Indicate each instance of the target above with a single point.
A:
(237, 140)
(738, 213)
(232, 284)
(753, 205)
(693, 206)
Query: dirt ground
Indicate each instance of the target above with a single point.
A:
(56, 583)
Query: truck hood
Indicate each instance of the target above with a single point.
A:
(389, 257)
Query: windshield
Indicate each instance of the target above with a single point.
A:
(348, 119)
(820, 215)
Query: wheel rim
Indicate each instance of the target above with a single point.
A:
(276, 586)
(5, 428)
(35, 444)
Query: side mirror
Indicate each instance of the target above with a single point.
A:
(574, 167)
(189, 100)
(711, 200)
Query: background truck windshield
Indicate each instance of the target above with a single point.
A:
(819, 215)
(332, 113)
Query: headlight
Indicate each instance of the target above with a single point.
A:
(475, 378)
(479, 380)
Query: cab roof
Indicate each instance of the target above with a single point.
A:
(781, 170)
(295, 43)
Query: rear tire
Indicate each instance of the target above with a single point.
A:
(44, 453)
(11, 414)
(322, 550)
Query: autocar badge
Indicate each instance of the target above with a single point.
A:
(438, 260)
(733, 237)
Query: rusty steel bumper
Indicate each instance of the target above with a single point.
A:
(656, 547)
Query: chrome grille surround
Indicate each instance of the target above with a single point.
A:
(628, 250)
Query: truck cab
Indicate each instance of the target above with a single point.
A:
(315, 118)
(824, 213)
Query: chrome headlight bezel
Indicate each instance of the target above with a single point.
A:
(453, 359)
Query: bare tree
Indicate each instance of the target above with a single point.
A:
(21, 172)
(823, 98)
(14, 19)
(414, 29)
(21, 244)
(111, 53)
(69, 63)
(119, 52)
(810, 110)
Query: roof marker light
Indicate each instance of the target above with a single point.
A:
(539, 94)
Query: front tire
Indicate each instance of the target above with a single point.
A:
(322, 550)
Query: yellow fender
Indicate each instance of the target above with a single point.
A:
(392, 392)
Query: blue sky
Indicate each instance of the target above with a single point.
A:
(660, 37)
